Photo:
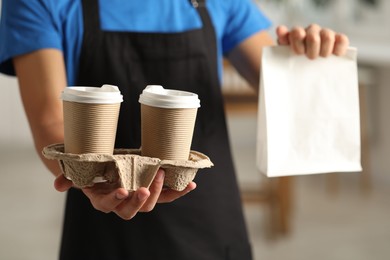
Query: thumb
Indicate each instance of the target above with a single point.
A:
(62, 184)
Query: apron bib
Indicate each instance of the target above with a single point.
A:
(207, 223)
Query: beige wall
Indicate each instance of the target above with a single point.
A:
(379, 122)
(13, 124)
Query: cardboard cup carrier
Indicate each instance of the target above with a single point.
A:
(167, 122)
(88, 155)
(90, 118)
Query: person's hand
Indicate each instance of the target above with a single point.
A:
(313, 41)
(110, 198)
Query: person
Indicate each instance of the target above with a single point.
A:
(51, 44)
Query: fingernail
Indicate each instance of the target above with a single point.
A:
(160, 175)
(120, 196)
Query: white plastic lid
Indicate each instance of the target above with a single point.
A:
(107, 94)
(157, 96)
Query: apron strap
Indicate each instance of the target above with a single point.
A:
(198, 3)
(208, 30)
(91, 15)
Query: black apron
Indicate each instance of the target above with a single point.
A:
(206, 224)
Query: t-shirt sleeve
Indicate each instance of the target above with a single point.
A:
(26, 26)
(245, 19)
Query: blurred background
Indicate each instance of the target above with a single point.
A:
(327, 216)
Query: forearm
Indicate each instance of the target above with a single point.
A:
(41, 78)
(246, 57)
(45, 135)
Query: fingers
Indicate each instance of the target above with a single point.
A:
(155, 190)
(62, 184)
(328, 39)
(341, 44)
(132, 205)
(313, 41)
(282, 33)
(143, 200)
(297, 40)
(105, 202)
(170, 195)
(126, 205)
(109, 198)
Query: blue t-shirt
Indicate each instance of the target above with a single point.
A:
(29, 25)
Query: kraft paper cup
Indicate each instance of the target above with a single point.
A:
(167, 122)
(90, 118)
